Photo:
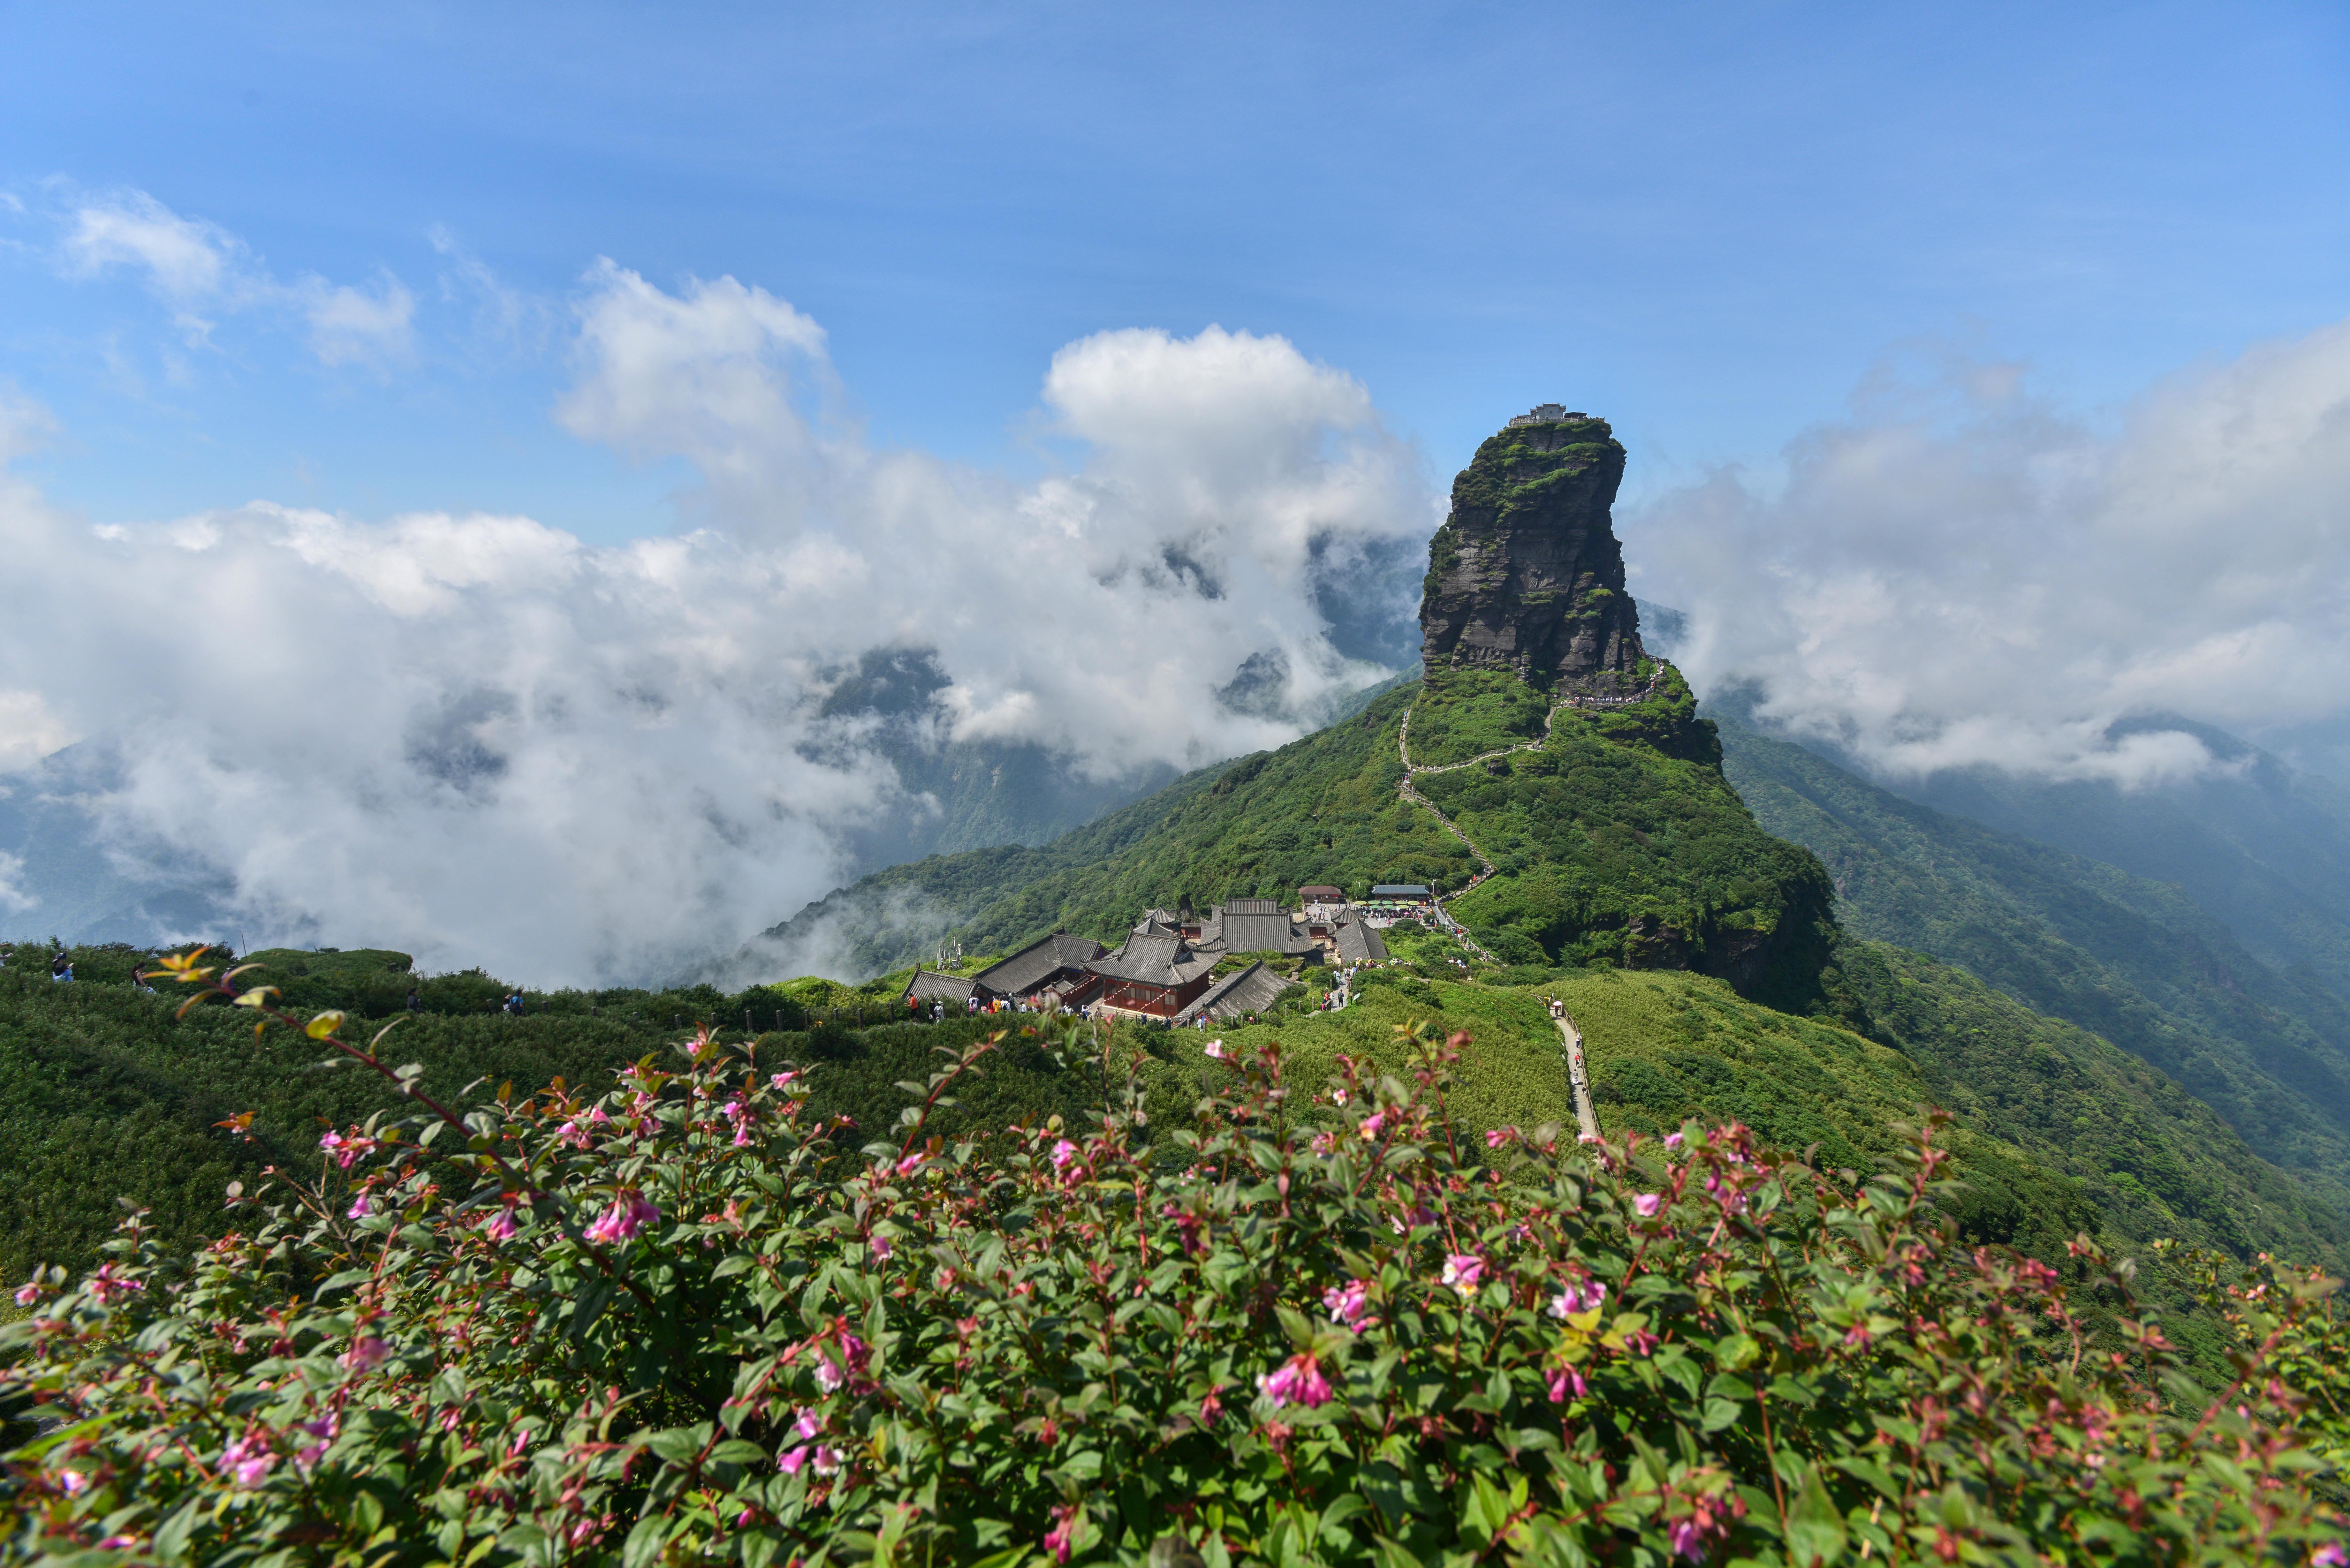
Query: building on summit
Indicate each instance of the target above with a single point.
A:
(1546, 414)
(1401, 893)
(1166, 967)
(1239, 993)
(1156, 973)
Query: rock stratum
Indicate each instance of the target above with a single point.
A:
(1527, 574)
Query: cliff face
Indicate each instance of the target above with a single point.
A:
(1527, 574)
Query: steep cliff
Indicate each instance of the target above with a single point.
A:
(1527, 574)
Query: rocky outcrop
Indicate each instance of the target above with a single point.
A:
(1527, 574)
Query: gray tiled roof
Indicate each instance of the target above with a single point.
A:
(1253, 907)
(1244, 932)
(1154, 959)
(1357, 943)
(1249, 990)
(1400, 891)
(1039, 962)
(928, 983)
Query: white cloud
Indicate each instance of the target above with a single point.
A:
(349, 326)
(28, 730)
(1960, 573)
(203, 272)
(482, 740)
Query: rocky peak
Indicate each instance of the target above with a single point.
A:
(1527, 573)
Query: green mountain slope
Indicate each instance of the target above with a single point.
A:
(2258, 845)
(2134, 960)
(1610, 847)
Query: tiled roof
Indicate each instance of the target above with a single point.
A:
(928, 983)
(1253, 907)
(1357, 943)
(1400, 891)
(1154, 959)
(1267, 933)
(1321, 893)
(1039, 962)
(1251, 990)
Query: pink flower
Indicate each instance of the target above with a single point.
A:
(1216, 1050)
(1063, 1153)
(1337, 1097)
(249, 1460)
(1347, 1303)
(501, 1226)
(1462, 1270)
(1646, 1204)
(1578, 1296)
(598, 1116)
(824, 1461)
(1296, 1380)
(1672, 1140)
(109, 1282)
(1372, 1125)
(1564, 1380)
(913, 1162)
(742, 1134)
(364, 1355)
(791, 1459)
(360, 1208)
(347, 1149)
(1065, 1525)
(1324, 1144)
(522, 1442)
(629, 1214)
(808, 1424)
(732, 1110)
(27, 1295)
(574, 1134)
(782, 1079)
(74, 1482)
(1688, 1538)
(2329, 1555)
(881, 1248)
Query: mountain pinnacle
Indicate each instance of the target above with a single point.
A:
(1527, 573)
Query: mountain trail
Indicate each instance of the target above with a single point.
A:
(1584, 1116)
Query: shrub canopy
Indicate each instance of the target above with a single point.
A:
(684, 1319)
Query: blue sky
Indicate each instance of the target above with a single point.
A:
(448, 454)
(1707, 222)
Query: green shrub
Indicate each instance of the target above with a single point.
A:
(684, 1321)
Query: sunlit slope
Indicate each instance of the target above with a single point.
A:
(2134, 960)
(1619, 840)
(2060, 1131)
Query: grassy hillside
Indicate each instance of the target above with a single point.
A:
(104, 1094)
(1617, 841)
(2133, 961)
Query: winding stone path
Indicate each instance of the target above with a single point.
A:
(1586, 1119)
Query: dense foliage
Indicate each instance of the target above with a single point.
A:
(1465, 713)
(105, 1093)
(1619, 840)
(683, 1320)
(1610, 849)
(2134, 960)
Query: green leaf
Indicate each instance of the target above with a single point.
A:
(1816, 1535)
(646, 1541)
(171, 1541)
(1737, 1352)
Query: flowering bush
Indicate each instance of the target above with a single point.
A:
(680, 1320)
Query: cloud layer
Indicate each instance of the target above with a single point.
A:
(1960, 573)
(479, 739)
